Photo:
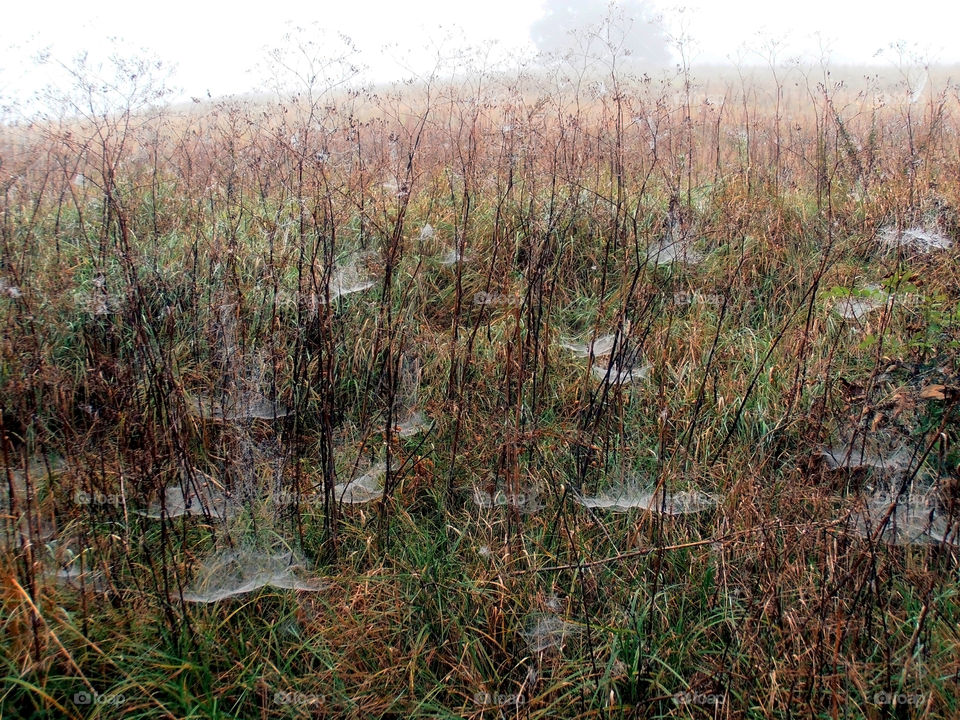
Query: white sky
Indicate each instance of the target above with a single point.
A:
(216, 43)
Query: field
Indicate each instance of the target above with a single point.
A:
(502, 395)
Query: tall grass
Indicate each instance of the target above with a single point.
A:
(252, 297)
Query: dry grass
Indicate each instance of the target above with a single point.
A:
(195, 257)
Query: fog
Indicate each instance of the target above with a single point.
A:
(218, 48)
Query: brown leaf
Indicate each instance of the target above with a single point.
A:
(932, 392)
(902, 401)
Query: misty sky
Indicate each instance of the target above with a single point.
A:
(215, 44)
